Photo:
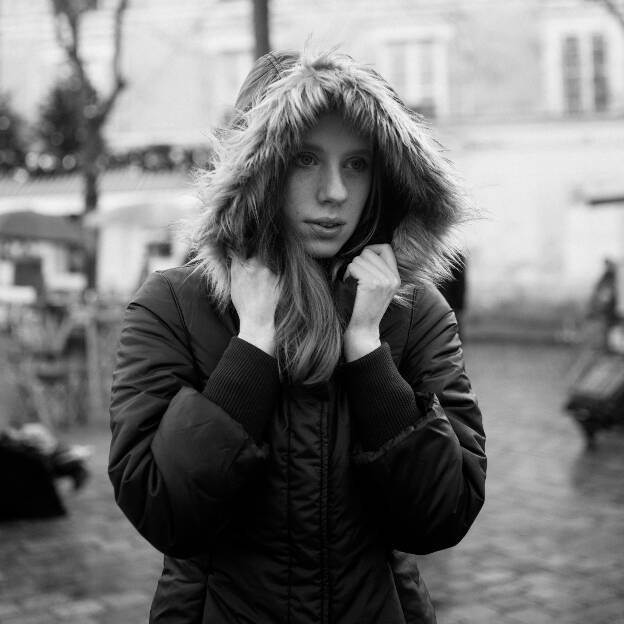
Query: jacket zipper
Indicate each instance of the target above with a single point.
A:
(288, 516)
(324, 520)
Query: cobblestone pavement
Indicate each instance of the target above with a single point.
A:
(548, 546)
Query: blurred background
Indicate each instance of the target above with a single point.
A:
(106, 108)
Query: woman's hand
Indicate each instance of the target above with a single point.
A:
(255, 292)
(377, 276)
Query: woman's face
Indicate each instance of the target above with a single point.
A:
(327, 185)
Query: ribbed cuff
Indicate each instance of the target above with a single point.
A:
(245, 383)
(382, 402)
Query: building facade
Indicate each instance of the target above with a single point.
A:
(527, 95)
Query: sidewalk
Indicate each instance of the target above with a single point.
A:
(548, 546)
(85, 568)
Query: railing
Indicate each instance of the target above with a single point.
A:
(60, 359)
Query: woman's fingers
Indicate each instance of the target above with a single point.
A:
(384, 252)
(377, 277)
(384, 264)
(376, 263)
(360, 272)
(255, 291)
(365, 266)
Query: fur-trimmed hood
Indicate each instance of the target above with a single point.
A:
(421, 201)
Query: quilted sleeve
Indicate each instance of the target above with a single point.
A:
(181, 456)
(423, 444)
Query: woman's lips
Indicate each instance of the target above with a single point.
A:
(325, 228)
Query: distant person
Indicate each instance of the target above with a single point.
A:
(603, 303)
(454, 291)
(291, 418)
(31, 456)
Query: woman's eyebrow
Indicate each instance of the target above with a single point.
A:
(312, 146)
(361, 151)
(357, 151)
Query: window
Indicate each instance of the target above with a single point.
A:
(572, 74)
(585, 73)
(599, 70)
(159, 249)
(584, 65)
(411, 74)
(415, 64)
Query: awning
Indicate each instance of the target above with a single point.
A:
(605, 194)
(601, 200)
(30, 225)
(151, 214)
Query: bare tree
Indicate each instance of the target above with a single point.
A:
(614, 7)
(261, 27)
(95, 107)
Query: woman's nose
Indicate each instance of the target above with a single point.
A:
(332, 188)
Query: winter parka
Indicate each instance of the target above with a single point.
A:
(280, 503)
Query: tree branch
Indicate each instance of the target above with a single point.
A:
(119, 82)
(613, 7)
(67, 19)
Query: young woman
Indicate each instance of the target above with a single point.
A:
(291, 417)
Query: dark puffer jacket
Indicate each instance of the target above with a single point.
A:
(276, 503)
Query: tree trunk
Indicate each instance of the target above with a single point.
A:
(91, 187)
(261, 27)
(91, 169)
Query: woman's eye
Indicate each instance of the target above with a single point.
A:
(305, 160)
(358, 164)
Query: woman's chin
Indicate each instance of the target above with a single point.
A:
(322, 250)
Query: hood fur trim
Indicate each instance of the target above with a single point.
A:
(418, 186)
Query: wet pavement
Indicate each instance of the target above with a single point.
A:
(548, 546)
